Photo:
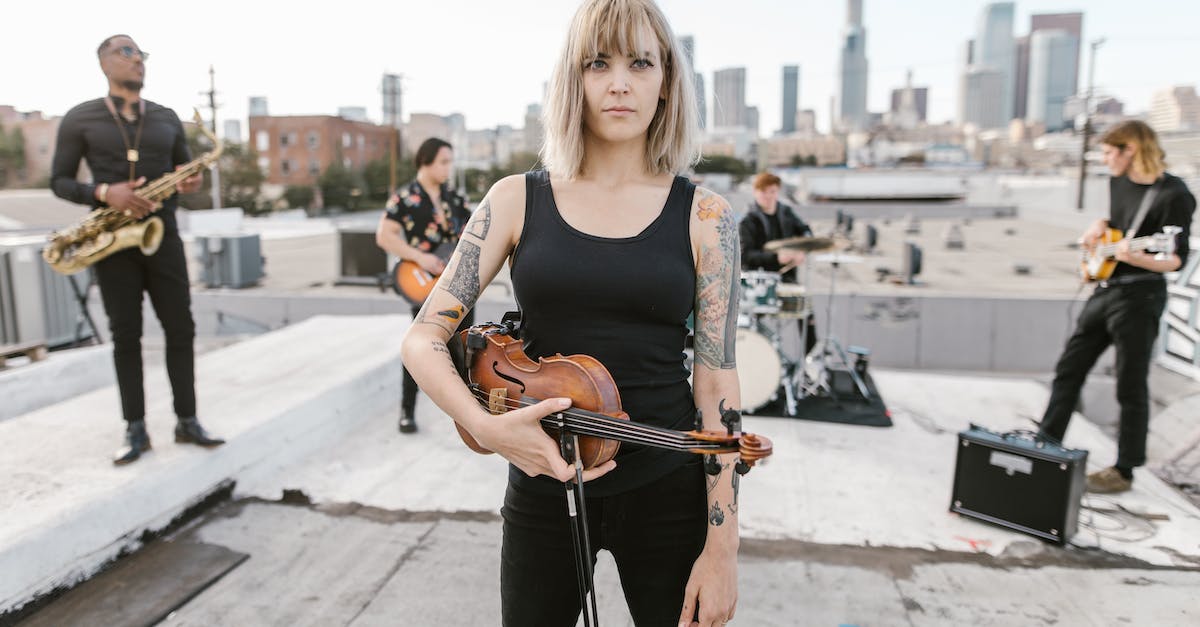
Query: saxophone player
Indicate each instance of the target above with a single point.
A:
(127, 141)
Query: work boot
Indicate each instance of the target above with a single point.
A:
(189, 431)
(407, 423)
(1108, 481)
(137, 441)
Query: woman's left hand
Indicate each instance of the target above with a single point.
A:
(712, 587)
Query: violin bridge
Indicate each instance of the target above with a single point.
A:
(497, 398)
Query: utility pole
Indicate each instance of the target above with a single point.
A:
(212, 105)
(1087, 121)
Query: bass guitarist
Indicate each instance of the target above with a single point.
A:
(422, 224)
(1125, 308)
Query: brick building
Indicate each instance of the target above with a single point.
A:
(296, 149)
(39, 134)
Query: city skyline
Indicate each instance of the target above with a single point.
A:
(491, 77)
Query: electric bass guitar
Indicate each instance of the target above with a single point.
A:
(1098, 264)
(412, 281)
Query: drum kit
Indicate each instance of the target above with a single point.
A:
(767, 306)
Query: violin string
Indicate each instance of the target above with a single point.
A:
(607, 426)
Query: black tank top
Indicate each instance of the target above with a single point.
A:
(624, 301)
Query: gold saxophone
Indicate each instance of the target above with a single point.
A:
(106, 231)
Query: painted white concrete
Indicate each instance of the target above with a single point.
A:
(62, 375)
(280, 395)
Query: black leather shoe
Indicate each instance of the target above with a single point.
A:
(189, 431)
(137, 441)
(407, 423)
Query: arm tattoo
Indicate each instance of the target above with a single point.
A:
(716, 288)
(424, 317)
(716, 517)
(439, 347)
(736, 481)
(464, 285)
(481, 221)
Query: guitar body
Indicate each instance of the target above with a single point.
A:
(413, 282)
(1097, 266)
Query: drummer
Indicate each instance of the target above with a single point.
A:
(768, 219)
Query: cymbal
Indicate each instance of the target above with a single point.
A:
(807, 244)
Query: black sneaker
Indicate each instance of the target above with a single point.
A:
(407, 423)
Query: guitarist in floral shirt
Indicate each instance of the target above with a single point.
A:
(422, 224)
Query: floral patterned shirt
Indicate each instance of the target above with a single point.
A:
(426, 227)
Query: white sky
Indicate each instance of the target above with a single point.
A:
(488, 59)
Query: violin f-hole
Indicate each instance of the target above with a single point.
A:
(506, 377)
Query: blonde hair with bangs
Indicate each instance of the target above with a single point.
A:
(615, 27)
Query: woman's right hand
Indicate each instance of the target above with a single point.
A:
(518, 437)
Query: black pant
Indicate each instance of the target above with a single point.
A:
(655, 533)
(1126, 316)
(408, 389)
(123, 277)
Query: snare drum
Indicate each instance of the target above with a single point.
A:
(757, 295)
(793, 300)
(759, 369)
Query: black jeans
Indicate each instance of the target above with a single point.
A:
(655, 533)
(408, 388)
(1126, 316)
(123, 277)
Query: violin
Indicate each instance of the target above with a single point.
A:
(502, 377)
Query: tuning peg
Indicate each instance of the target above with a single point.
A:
(741, 467)
(712, 465)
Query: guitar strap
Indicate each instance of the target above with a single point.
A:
(1147, 200)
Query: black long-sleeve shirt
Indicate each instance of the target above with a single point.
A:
(1173, 206)
(88, 132)
(757, 228)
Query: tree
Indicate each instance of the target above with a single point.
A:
(241, 178)
(341, 187)
(723, 163)
(12, 157)
(299, 196)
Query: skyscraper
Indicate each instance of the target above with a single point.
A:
(995, 52)
(729, 97)
(1052, 74)
(1071, 23)
(390, 89)
(920, 99)
(791, 93)
(852, 71)
(688, 43)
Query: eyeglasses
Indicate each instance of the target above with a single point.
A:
(129, 51)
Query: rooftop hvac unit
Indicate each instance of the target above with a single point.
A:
(361, 260)
(230, 260)
(37, 305)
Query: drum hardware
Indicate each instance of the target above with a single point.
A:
(817, 365)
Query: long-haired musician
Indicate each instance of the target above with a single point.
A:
(127, 141)
(1125, 308)
(422, 224)
(609, 251)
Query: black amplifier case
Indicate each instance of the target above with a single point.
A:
(1019, 481)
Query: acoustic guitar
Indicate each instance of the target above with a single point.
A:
(413, 282)
(1098, 264)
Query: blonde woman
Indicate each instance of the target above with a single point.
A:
(609, 251)
(1124, 310)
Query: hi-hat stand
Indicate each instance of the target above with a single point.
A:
(815, 375)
